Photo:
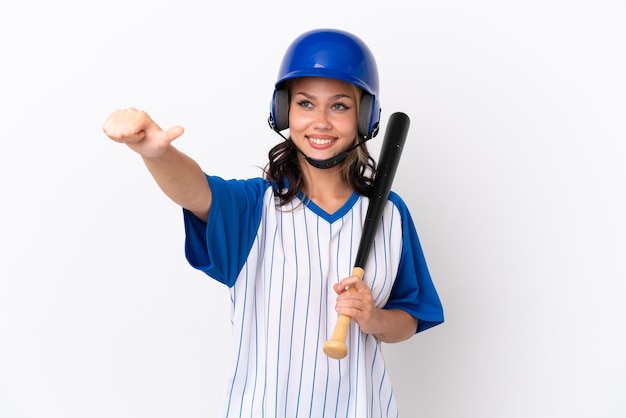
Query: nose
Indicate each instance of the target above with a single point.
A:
(322, 119)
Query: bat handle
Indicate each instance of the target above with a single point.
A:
(336, 346)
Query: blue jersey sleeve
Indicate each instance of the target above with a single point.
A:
(413, 290)
(220, 246)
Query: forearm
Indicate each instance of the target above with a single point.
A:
(395, 325)
(182, 180)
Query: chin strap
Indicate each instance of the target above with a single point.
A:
(328, 162)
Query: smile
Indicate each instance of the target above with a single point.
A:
(319, 141)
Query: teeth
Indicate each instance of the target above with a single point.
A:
(318, 141)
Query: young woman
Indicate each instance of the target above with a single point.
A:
(284, 243)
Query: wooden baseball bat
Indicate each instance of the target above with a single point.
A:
(391, 151)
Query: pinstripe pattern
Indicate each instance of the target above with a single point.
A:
(283, 312)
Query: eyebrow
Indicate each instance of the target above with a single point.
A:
(335, 97)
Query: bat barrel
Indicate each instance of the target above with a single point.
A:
(392, 147)
(390, 153)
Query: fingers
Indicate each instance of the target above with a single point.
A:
(127, 125)
(354, 296)
(132, 125)
(350, 283)
(136, 129)
(356, 301)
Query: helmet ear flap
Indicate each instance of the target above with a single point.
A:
(368, 121)
(280, 110)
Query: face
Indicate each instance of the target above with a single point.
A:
(322, 116)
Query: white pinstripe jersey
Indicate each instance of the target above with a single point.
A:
(280, 264)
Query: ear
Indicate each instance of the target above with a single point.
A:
(365, 114)
(280, 110)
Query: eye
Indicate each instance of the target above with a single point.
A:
(340, 106)
(305, 104)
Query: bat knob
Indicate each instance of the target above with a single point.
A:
(335, 349)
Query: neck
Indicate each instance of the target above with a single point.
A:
(326, 188)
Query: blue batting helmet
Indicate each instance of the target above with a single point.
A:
(334, 54)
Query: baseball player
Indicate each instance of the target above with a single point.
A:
(284, 243)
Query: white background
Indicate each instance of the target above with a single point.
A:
(514, 171)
